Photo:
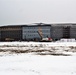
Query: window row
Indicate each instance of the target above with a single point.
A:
(35, 31)
(36, 35)
(37, 27)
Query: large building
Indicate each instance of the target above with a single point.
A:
(12, 33)
(37, 31)
(63, 31)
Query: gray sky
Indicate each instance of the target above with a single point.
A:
(36, 11)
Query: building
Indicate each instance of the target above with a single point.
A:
(36, 31)
(12, 33)
(57, 32)
(0, 35)
(60, 31)
(73, 31)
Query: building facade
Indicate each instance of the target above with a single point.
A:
(37, 32)
(60, 31)
(73, 31)
(33, 32)
(57, 32)
(10, 33)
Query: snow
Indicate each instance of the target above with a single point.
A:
(39, 43)
(40, 48)
(26, 64)
(32, 63)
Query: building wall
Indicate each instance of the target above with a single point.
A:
(73, 31)
(31, 32)
(57, 32)
(0, 35)
(12, 32)
(15, 35)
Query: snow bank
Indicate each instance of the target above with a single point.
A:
(40, 48)
(38, 44)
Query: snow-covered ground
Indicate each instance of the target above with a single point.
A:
(37, 58)
(27, 64)
(39, 48)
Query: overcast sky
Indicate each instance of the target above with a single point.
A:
(36, 11)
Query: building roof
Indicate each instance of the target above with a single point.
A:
(40, 24)
(33, 24)
(61, 24)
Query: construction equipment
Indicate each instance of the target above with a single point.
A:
(41, 35)
(9, 39)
